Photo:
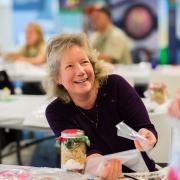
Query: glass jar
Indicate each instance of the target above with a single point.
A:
(73, 149)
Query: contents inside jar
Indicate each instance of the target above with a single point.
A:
(73, 149)
(73, 158)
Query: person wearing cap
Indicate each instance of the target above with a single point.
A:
(110, 41)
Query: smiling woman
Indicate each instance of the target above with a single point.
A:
(90, 99)
(72, 63)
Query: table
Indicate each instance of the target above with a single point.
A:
(14, 111)
(16, 108)
(27, 172)
(142, 73)
(27, 109)
(134, 73)
(160, 153)
(19, 127)
(23, 71)
(29, 115)
(169, 75)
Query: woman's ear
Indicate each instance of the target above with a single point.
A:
(58, 81)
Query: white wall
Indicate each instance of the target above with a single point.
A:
(6, 37)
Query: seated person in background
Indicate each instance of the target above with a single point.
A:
(90, 99)
(33, 50)
(110, 41)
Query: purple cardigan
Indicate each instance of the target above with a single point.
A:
(117, 101)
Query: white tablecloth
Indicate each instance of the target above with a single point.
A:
(143, 74)
(135, 73)
(24, 71)
(18, 108)
(34, 173)
(26, 173)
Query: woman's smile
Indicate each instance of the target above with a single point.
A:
(81, 81)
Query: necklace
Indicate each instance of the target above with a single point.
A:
(89, 119)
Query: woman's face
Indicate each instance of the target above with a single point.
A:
(76, 73)
(32, 36)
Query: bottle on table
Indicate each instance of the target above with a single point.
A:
(18, 87)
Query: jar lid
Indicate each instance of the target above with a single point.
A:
(70, 133)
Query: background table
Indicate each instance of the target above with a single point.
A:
(14, 111)
(160, 153)
(16, 108)
(27, 112)
(23, 71)
(142, 73)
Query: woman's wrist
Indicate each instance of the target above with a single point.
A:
(92, 156)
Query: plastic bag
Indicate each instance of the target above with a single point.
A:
(127, 132)
(131, 159)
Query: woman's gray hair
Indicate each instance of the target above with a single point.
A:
(57, 46)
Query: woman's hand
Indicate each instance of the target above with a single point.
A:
(149, 136)
(112, 170)
(93, 156)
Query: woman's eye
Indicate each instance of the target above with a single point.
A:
(85, 62)
(68, 66)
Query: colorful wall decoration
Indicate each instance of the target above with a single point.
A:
(163, 31)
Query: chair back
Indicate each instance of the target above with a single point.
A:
(5, 81)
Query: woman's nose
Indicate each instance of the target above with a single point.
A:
(80, 70)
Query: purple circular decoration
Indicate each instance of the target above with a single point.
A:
(138, 21)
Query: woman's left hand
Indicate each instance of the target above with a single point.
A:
(149, 136)
(112, 170)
